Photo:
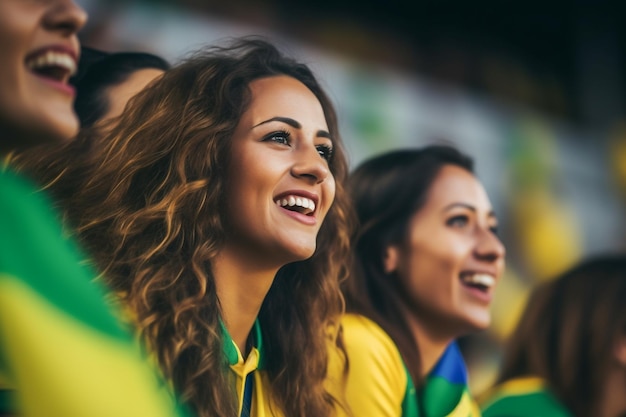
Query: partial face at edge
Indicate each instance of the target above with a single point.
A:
(452, 258)
(40, 48)
(118, 95)
(281, 187)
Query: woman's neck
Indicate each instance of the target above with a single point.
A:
(612, 402)
(431, 342)
(241, 289)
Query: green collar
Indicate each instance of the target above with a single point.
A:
(230, 348)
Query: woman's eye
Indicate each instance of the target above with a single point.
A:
(494, 230)
(281, 138)
(458, 221)
(325, 152)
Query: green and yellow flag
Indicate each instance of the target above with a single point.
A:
(446, 392)
(63, 352)
(522, 397)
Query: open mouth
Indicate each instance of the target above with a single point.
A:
(52, 65)
(481, 282)
(296, 203)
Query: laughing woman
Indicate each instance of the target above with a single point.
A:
(62, 350)
(216, 209)
(426, 259)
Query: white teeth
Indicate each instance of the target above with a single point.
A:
(480, 279)
(293, 201)
(53, 59)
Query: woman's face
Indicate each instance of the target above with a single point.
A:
(39, 47)
(452, 258)
(118, 95)
(280, 187)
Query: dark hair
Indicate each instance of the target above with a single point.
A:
(147, 201)
(99, 70)
(386, 191)
(567, 332)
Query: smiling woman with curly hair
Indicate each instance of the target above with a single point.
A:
(217, 212)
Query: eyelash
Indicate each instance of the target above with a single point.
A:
(451, 222)
(325, 152)
(282, 137)
(282, 134)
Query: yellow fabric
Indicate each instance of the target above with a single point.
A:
(375, 390)
(261, 400)
(527, 396)
(515, 386)
(70, 347)
(467, 407)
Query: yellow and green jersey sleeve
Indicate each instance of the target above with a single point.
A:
(378, 383)
(522, 397)
(62, 350)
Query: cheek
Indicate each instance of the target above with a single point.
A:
(436, 247)
(331, 190)
(23, 35)
(233, 190)
(430, 279)
(445, 246)
(237, 194)
(7, 100)
(435, 262)
(328, 195)
(10, 70)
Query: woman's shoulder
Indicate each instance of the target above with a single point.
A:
(363, 330)
(375, 381)
(521, 397)
(369, 346)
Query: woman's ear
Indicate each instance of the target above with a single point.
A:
(390, 259)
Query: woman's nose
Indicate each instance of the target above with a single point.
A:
(310, 164)
(65, 15)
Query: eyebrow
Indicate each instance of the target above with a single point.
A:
(468, 207)
(293, 123)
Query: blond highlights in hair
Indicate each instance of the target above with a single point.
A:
(146, 199)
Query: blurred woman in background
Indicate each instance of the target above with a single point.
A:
(567, 356)
(107, 80)
(104, 82)
(426, 261)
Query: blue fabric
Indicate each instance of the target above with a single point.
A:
(451, 366)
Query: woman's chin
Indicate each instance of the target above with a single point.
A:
(478, 324)
(301, 253)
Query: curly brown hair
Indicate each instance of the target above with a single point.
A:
(147, 201)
